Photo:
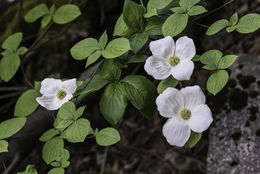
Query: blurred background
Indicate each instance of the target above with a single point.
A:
(230, 146)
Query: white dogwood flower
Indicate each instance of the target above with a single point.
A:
(186, 110)
(56, 93)
(169, 58)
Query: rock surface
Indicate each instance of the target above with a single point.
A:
(234, 139)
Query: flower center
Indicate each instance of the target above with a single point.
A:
(61, 94)
(174, 60)
(185, 114)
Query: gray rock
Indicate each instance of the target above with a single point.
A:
(234, 140)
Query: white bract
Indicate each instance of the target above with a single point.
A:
(169, 58)
(56, 93)
(186, 110)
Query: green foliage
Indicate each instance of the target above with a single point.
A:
(93, 58)
(233, 19)
(166, 83)
(137, 59)
(217, 26)
(26, 103)
(179, 10)
(30, 169)
(154, 26)
(194, 139)
(9, 66)
(66, 111)
(214, 60)
(56, 171)
(175, 24)
(197, 10)
(107, 136)
(154, 5)
(52, 150)
(13, 41)
(11, 126)
(121, 29)
(116, 48)
(140, 92)
(78, 131)
(22, 50)
(113, 103)
(137, 41)
(36, 13)
(84, 48)
(66, 13)
(103, 40)
(217, 81)
(3, 146)
(48, 135)
(188, 4)
(249, 23)
(133, 15)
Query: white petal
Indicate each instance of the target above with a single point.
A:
(50, 86)
(158, 68)
(193, 96)
(185, 48)
(163, 48)
(176, 131)
(49, 102)
(201, 118)
(170, 102)
(183, 70)
(69, 85)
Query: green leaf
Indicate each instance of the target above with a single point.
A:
(179, 10)
(187, 4)
(196, 58)
(113, 103)
(217, 81)
(210, 67)
(137, 41)
(110, 70)
(116, 48)
(84, 48)
(227, 61)
(93, 58)
(217, 26)
(56, 171)
(175, 24)
(194, 139)
(52, 149)
(121, 29)
(166, 83)
(22, 50)
(231, 29)
(211, 57)
(79, 112)
(10, 127)
(9, 66)
(66, 111)
(45, 20)
(133, 15)
(3, 146)
(78, 131)
(26, 103)
(137, 59)
(197, 10)
(30, 169)
(154, 26)
(62, 124)
(103, 40)
(13, 41)
(233, 19)
(36, 12)
(154, 5)
(66, 13)
(49, 134)
(107, 136)
(249, 23)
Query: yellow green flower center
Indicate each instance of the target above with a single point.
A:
(61, 94)
(185, 114)
(174, 60)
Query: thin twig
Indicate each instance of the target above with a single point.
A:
(104, 161)
(13, 88)
(142, 3)
(25, 76)
(10, 95)
(4, 166)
